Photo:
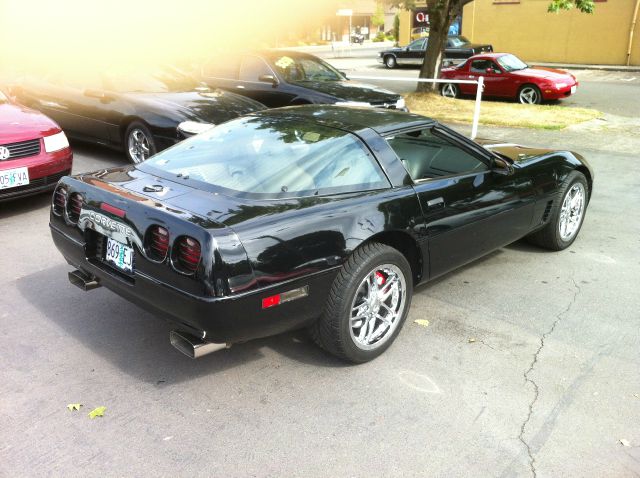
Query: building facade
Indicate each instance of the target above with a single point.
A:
(526, 29)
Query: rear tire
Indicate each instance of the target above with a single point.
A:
(450, 90)
(367, 304)
(566, 216)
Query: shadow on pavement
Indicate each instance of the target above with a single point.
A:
(137, 342)
(24, 205)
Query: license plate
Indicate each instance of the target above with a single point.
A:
(120, 255)
(573, 89)
(11, 178)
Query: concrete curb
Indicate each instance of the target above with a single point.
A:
(577, 66)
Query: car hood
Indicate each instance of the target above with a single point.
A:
(544, 73)
(349, 90)
(214, 106)
(515, 152)
(18, 123)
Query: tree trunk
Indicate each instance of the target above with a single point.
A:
(439, 19)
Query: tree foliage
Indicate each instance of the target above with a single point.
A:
(377, 20)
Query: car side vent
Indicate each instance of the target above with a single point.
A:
(187, 255)
(76, 201)
(547, 211)
(157, 243)
(59, 201)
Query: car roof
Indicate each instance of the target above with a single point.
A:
(351, 118)
(493, 56)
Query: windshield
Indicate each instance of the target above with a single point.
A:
(305, 69)
(160, 80)
(279, 157)
(458, 41)
(511, 63)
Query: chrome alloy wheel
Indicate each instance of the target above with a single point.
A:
(450, 90)
(529, 95)
(571, 211)
(378, 306)
(138, 144)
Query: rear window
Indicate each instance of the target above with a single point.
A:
(276, 157)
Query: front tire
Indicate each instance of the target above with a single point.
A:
(367, 305)
(529, 95)
(390, 62)
(139, 143)
(567, 214)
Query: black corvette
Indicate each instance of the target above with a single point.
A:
(458, 48)
(278, 78)
(310, 216)
(139, 111)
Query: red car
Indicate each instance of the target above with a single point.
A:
(506, 76)
(34, 152)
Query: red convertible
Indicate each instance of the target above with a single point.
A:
(506, 76)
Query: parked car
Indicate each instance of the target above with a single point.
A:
(419, 32)
(140, 111)
(457, 49)
(506, 76)
(283, 78)
(312, 216)
(34, 152)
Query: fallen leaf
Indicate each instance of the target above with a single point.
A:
(637, 395)
(74, 406)
(422, 322)
(624, 442)
(471, 340)
(97, 412)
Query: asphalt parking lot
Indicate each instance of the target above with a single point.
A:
(528, 367)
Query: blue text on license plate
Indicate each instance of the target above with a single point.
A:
(120, 255)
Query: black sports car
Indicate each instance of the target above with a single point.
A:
(458, 48)
(139, 111)
(312, 216)
(278, 78)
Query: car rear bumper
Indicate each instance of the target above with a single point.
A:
(228, 319)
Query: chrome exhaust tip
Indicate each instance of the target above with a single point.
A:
(192, 346)
(83, 281)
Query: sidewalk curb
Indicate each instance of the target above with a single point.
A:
(577, 66)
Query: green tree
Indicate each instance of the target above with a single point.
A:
(442, 13)
(377, 20)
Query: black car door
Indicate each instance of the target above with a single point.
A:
(470, 206)
(254, 79)
(77, 104)
(414, 54)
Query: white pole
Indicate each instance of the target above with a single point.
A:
(476, 111)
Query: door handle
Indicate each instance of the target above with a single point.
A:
(435, 203)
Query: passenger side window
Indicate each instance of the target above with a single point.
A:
(481, 66)
(426, 155)
(252, 68)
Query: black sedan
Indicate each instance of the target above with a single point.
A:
(285, 78)
(313, 216)
(139, 111)
(458, 48)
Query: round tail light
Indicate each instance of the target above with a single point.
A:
(187, 254)
(59, 201)
(76, 201)
(157, 243)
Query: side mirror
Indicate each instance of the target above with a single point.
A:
(502, 166)
(343, 73)
(268, 79)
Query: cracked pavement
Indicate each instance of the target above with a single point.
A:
(548, 387)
